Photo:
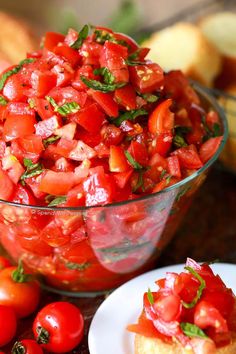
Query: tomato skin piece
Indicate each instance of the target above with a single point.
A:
(23, 196)
(46, 128)
(161, 144)
(146, 78)
(8, 324)
(161, 119)
(126, 97)
(42, 82)
(22, 297)
(30, 347)
(57, 183)
(209, 148)
(6, 186)
(117, 159)
(52, 39)
(106, 102)
(83, 118)
(64, 323)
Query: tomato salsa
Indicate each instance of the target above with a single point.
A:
(190, 308)
(87, 121)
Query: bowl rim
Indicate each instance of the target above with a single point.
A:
(204, 92)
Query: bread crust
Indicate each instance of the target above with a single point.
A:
(145, 345)
(16, 39)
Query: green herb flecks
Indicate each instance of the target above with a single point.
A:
(179, 141)
(108, 78)
(65, 109)
(150, 297)
(140, 182)
(100, 86)
(3, 101)
(50, 140)
(134, 63)
(133, 162)
(130, 115)
(216, 129)
(32, 169)
(77, 266)
(191, 330)
(57, 201)
(199, 291)
(101, 36)
(13, 71)
(82, 35)
(150, 98)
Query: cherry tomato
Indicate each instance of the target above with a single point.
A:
(8, 324)
(59, 327)
(26, 346)
(18, 291)
(4, 263)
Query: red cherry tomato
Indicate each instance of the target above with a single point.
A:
(7, 324)
(26, 346)
(4, 263)
(59, 327)
(18, 291)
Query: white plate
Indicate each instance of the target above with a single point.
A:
(108, 332)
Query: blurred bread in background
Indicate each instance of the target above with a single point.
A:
(183, 46)
(16, 39)
(220, 30)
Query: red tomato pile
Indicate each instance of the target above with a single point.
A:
(57, 328)
(193, 306)
(88, 121)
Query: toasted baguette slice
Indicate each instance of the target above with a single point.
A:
(220, 30)
(144, 345)
(184, 47)
(16, 39)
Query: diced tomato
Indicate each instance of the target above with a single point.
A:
(161, 144)
(6, 186)
(67, 94)
(52, 39)
(18, 125)
(85, 70)
(121, 178)
(97, 188)
(13, 89)
(106, 102)
(88, 138)
(13, 167)
(57, 183)
(174, 166)
(209, 148)
(22, 195)
(139, 152)
(21, 154)
(90, 52)
(43, 108)
(47, 127)
(111, 135)
(161, 119)
(146, 78)
(117, 160)
(65, 146)
(43, 82)
(64, 74)
(212, 118)
(75, 197)
(126, 97)
(82, 151)
(31, 143)
(69, 54)
(168, 306)
(71, 37)
(67, 131)
(164, 183)
(83, 118)
(206, 315)
(34, 184)
(188, 157)
(63, 165)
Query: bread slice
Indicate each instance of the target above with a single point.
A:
(220, 30)
(183, 46)
(228, 156)
(16, 39)
(145, 345)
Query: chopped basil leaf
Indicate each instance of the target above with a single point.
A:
(77, 266)
(132, 161)
(140, 182)
(216, 130)
(163, 173)
(50, 140)
(32, 169)
(107, 75)
(65, 109)
(168, 178)
(191, 330)
(150, 297)
(150, 98)
(134, 55)
(57, 201)
(130, 115)
(101, 36)
(134, 63)
(199, 291)
(179, 141)
(83, 34)
(13, 71)
(99, 86)
(3, 101)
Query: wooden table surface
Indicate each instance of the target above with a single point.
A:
(208, 233)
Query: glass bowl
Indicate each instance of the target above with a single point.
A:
(93, 249)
